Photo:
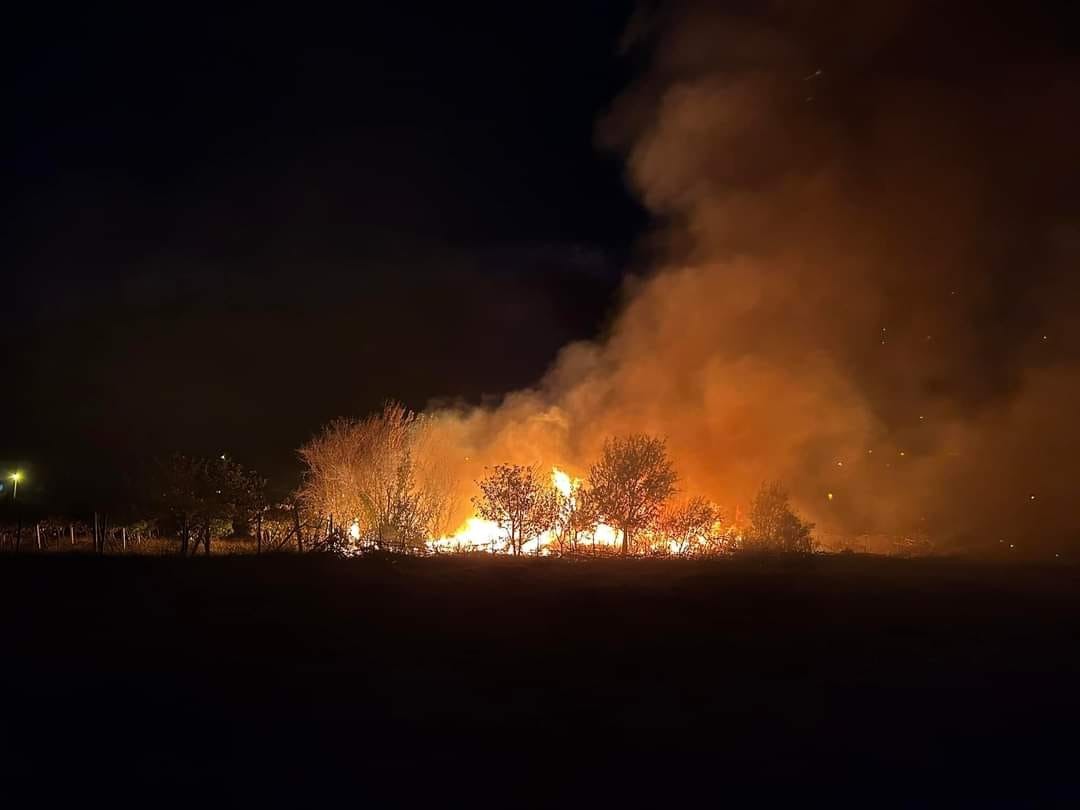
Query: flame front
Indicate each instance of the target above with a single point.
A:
(477, 534)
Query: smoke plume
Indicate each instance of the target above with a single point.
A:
(863, 275)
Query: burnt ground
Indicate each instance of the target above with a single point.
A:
(541, 681)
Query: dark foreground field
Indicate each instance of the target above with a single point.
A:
(541, 681)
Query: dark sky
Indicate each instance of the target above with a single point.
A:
(220, 236)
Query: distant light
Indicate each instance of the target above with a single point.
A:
(1032, 497)
(829, 496)
(1012, 545)
(839, 464)
(16, 477)
(871, 451)
(902, 453)
(222, 456)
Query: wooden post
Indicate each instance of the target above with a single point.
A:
(296, 522)
(124, 535)
(71, 526)
(37, 530)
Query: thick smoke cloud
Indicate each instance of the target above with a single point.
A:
(864, 270)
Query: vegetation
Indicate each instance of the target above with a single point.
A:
(386, 483)
(379, 475)
(202, 498)
(631, 482)
(773, 524)
(519, 502)
(695, 519)
(577, 515)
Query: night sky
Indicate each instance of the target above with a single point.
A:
(853, 231)
(220, 236)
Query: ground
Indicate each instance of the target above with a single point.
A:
(543, 681)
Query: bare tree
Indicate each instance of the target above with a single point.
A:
(631, 482)
(690, 523)
(519, 502)
(774, 526)
(385, 474)
(576, 515)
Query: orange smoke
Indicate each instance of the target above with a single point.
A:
(863, 279)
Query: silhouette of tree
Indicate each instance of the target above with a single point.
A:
(689, 524)
(205, 497)
(576, 514)
(631, 482)
(774, 526)
(519, 502)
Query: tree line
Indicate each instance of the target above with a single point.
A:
(385, 483)
(387, 479)
(632, 489)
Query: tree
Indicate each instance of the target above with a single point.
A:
(519, 502)
(631, 482)
(205, 497)
(576, 514)
(385, 473)
(689, 522)
(774, 526)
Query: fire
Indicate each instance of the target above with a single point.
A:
(476, 534)
(563, 482)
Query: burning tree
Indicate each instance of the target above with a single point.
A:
(382, 475)
(576, 514)
(516, 499)
(631, 482)
(690, 522)
(774, 526)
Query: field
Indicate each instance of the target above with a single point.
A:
(541, 680)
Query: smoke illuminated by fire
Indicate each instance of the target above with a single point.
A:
(859, 283)
(859, 280)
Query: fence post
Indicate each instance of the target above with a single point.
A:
(299, 535)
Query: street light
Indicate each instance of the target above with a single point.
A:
(16, 477)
